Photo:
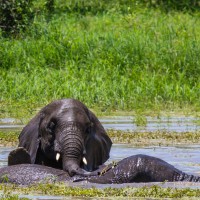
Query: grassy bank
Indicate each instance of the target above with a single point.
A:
(141, 59)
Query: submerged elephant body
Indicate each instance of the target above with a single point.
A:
(137, 168)
(66, 135)
(26, 174)
(143, 168)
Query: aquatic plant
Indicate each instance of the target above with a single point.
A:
(9, 138)
(161, 138)
(140, 120)
(153, 191)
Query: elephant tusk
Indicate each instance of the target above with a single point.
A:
(57, 156)
(84, 161)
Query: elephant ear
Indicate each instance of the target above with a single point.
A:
(97, 145)
(29, 137)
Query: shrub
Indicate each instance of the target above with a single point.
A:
(174, 4)
(15, 15)
(95, 6)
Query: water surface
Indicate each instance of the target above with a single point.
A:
(186, 158)
(178, 124)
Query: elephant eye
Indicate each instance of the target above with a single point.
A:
(51, 127)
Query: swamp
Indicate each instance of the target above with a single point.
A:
(175, 140)
(136, 64)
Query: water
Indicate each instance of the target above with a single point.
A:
(4, 151)
(185, 157)
(9, 124)
(178, 124)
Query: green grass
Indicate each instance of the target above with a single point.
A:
(135, 60)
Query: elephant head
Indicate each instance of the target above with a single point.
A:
(66, 135)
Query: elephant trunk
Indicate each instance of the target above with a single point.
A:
(72, 149)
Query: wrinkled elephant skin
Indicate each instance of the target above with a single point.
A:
(137, 168)
(66, 135)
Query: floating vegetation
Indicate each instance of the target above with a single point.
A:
(153, 191)
(160, 138)
(9, 138)
(10, 196)
(140, 120)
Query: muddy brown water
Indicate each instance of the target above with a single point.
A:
(185, 157)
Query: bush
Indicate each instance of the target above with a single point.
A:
(15, 15)
(174, 4)
(103, 6)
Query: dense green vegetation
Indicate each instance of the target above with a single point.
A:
(14, 16)
(120, 55)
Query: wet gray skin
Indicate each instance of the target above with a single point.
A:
(133, 169)
(142, 168)
(26, 174)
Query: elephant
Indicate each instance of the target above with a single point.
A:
(133, 169)
(66, 135)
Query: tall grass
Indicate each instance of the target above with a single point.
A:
(144, 59)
